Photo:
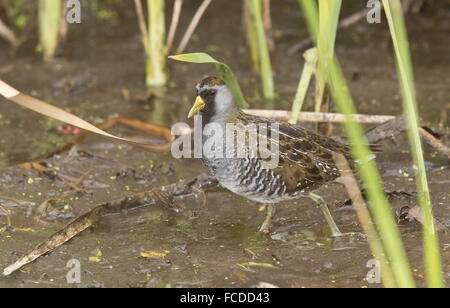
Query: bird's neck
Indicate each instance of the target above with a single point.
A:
(221, 119)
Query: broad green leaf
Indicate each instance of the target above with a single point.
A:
(224, 71)
(198, 57)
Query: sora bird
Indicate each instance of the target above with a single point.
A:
(305, 159)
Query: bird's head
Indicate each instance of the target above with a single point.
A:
(214, 99)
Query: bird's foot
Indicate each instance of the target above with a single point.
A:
(265, 227)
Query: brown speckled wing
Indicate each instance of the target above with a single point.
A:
(305, 160)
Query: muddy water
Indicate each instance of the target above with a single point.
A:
(212, 244)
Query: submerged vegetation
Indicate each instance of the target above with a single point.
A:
(159, 21)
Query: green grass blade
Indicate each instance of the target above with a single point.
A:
(310, 12)
(330, 71)
(433, 263)
(380, 206)
(157, 51)
(252, 38)
(264, 55)
(224, 71)
(308, 70)
(328, 21)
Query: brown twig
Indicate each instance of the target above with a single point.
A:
(434, 142)
(63, 25)
(71, 185)
(267, 19)
(77, 226)
(355, 18)
(386, 130)
(285, 115)
(174, 24)
(193, 25)
(4, 5)
(82, 177)
(142, 24)
(8, 34)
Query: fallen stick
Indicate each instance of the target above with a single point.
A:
(164, 195)
(174, 24)
(398, 125)
(8, 34)
(390, 126)
(304, 116)
(142, 24)
(434, 142)
(77, 226)
(193, 25)
(386, 130)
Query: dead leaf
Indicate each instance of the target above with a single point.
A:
(153, 255)
(95, 259)
(268, 265)
(416, 213)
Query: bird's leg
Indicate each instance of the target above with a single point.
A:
(266, 224)
(326, 212)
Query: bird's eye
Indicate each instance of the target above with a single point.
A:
(211, 93)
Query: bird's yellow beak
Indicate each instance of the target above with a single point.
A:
(198, 105)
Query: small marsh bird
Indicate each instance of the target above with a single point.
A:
(305, 159)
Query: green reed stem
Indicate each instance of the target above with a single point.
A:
(370, 176)
(49, 19)
(380, 207)
(328, 20)
(266, 66)
(310, 12)
(252, 38)
(308, 70)
(156, 51)
(432, 257)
